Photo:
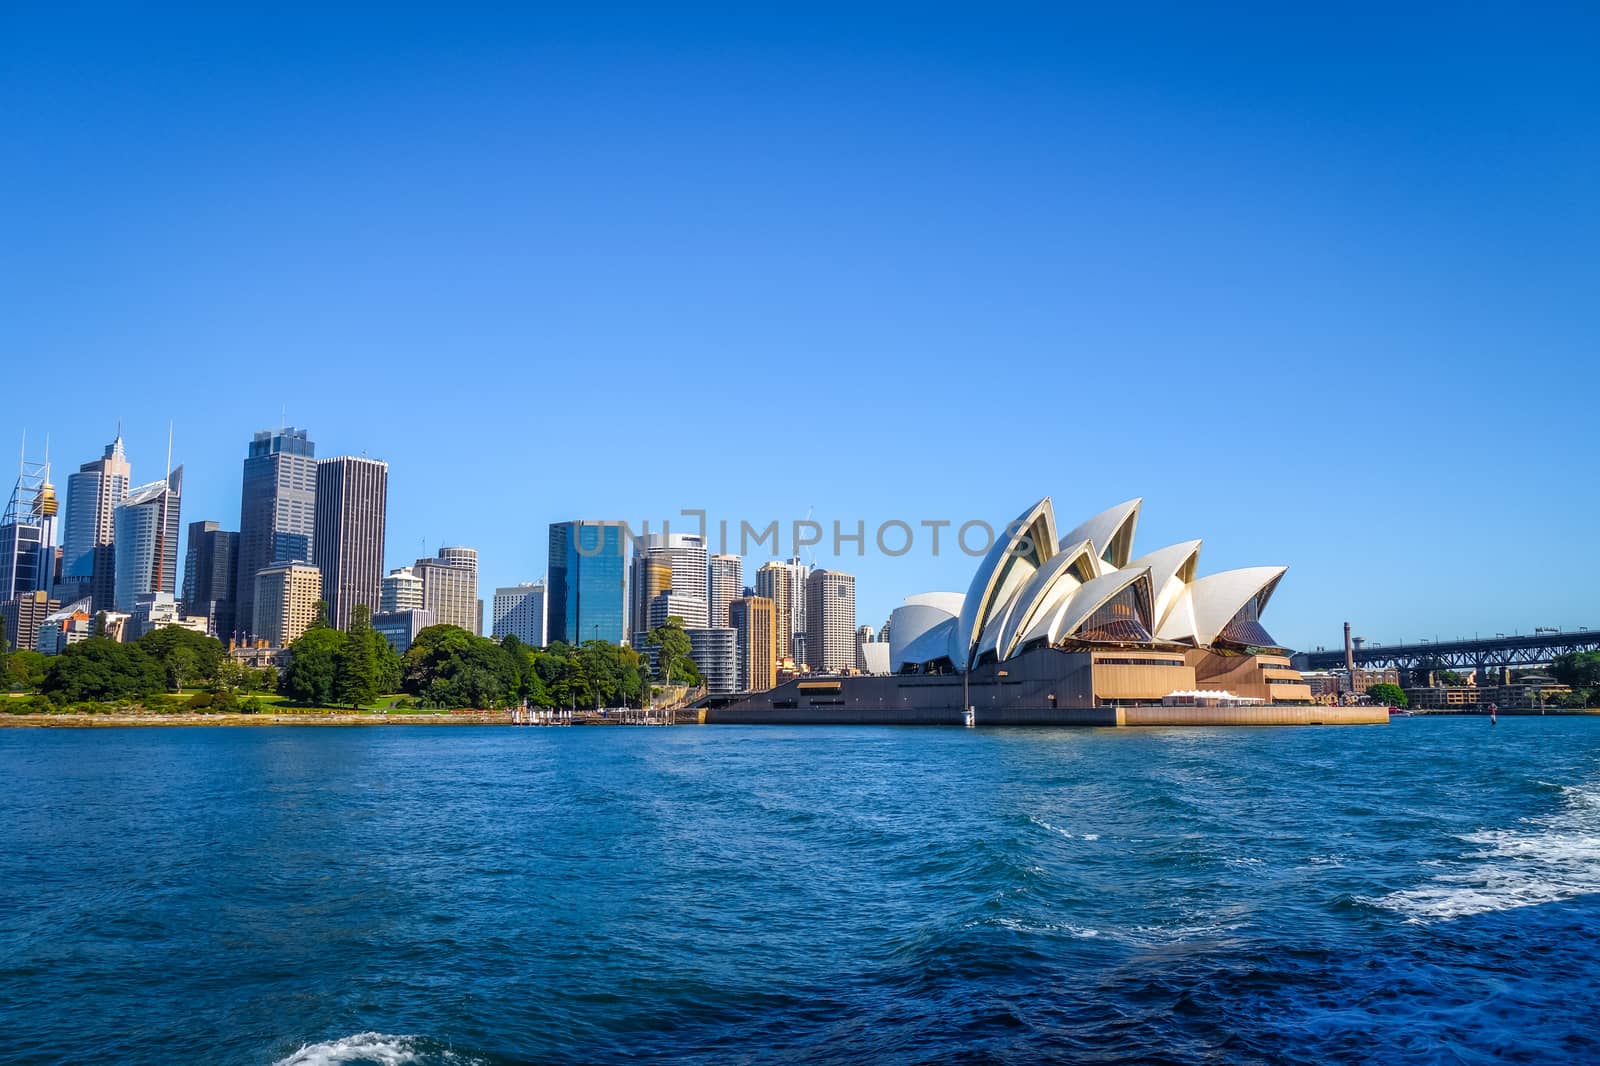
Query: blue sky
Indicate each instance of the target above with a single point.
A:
(1321, 289)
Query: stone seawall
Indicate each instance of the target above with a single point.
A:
(1260, 715)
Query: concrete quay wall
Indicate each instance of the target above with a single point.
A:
(1256, 715)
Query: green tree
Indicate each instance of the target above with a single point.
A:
(24, 671)
(1577, 670)
(357, 663)
(672, 649)
(102, 669)
(1386, 694)
(448, 667)
(231, 676)
(186, 657)
(1451, 679)
(391, 674)
(311, 675)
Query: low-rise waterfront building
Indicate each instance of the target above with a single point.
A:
(400, 628)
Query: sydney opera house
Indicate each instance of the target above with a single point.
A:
(1071, 627)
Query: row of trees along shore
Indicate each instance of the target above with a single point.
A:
(445, 667)
(148, 671)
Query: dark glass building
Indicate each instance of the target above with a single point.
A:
(277, 512)
(210, 576)
(588, 582)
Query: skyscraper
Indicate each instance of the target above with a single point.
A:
(277, 509)
(285, 602)
(28, 533)
(450, 587)
(831, 621)
(725, 578)
(519, 611)
(146, 541)
(651, 576)
(210, 576)
(752, 619)
(88, 561)
(351, 499)
(684, 555)
(784, 583)
(588, 582)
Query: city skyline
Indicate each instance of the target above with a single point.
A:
(871, 561)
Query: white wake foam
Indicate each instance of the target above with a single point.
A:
(1545, 859)
(376, 1049)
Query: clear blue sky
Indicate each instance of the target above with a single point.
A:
(1323, 290)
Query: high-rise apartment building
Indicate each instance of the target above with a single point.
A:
(401, 590)
(752, 618)
(588, 582)
(285, 602)
(713, 650)
(211, 577)
(450, 587)
(725, 580)
(277, 509)
(689, 610)
(146, 541)
(784, 583)
(519, 611)
(831, 621)
(88, 559)
(22, 615)
(352, 497)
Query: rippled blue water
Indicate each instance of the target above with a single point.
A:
(1420, 892)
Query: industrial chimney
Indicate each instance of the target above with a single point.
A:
(1349, 652)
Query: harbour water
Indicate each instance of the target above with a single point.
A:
(1427, 891)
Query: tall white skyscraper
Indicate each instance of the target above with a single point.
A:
(831, 621)
(88, 560)
(684, 556)
(519, 611)
(725, 577)
(146, 535)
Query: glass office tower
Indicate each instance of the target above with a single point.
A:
(588, 582)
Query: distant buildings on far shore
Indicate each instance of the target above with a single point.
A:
(312, 539)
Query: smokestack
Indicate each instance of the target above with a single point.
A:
(1349, 652)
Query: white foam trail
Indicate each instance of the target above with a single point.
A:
(1545, 859)
(380, 1049)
